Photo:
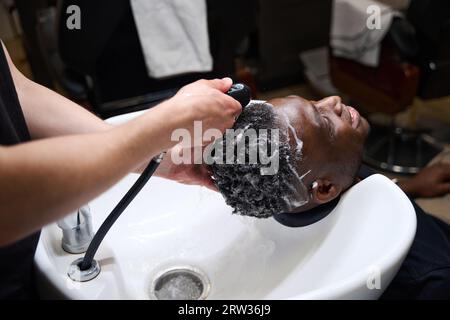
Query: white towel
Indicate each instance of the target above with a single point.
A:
(351, 37)
(173, 36)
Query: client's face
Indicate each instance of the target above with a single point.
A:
(333, 136)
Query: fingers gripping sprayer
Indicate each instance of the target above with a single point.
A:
(86, 268)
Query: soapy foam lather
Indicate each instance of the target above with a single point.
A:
(244, 186)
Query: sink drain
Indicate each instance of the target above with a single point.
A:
(181, 283)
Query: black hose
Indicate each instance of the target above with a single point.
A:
(117, 211)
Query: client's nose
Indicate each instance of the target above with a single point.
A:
(333, 103)
(336, 105)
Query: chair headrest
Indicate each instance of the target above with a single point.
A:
(303, 219)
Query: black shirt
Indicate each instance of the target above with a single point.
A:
(16, 260)
(425, 273)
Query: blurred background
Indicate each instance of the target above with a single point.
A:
(390, 59)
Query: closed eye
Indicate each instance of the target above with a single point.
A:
(321, 115)
(330, 126)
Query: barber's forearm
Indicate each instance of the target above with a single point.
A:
(49, 114)
(58, 116)
(43, 180)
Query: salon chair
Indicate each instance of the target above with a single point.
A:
(414, 61)
(107, 52)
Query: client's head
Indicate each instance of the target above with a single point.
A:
(318, 150)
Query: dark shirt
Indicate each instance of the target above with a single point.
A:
(16, 260)
(425, 273)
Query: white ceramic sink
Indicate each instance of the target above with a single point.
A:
(364, 240)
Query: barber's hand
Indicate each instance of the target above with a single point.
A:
(206, 101)
(433, 181)
(191, 174)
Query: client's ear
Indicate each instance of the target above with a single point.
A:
(324, 191)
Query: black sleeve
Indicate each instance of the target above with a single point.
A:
(425, 273)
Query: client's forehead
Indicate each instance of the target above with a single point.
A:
(292, 107)
(288, 101)
(300, 116)
(293, 111)
(290, 111)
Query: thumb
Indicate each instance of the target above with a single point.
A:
(221, 84)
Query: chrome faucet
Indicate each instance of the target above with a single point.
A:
(77, 231)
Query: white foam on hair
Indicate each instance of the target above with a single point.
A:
(295, 193)
(298, 141)
(300, 195)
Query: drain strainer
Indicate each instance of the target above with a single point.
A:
(181, 283)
